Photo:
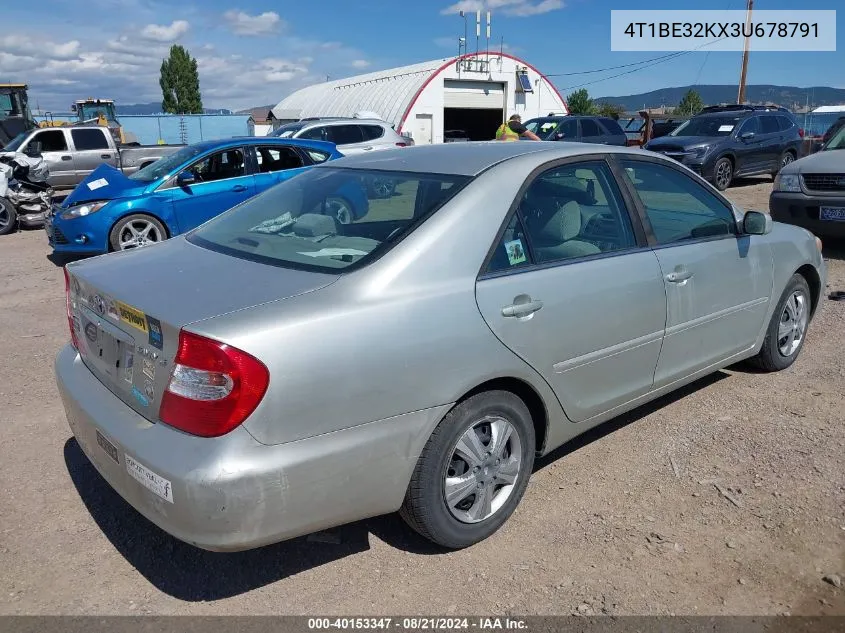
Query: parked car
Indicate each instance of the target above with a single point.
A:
(297, 374)
(581, 129)
(811, 191)
(725, 142)
(456, 136)
(73, 153)
(112, 212)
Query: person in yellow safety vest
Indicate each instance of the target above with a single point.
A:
(513, 129)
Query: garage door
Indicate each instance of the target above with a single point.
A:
(473, 94)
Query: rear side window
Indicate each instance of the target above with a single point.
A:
(272, 159)
(784, 123)
(769, 124)
(590, 128)
(317, 156)
(611, 126)
(751, 124)
(372, 132)
(89, 139)
(345, 134)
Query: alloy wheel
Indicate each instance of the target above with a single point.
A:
(482, 470)
(787, 158)
(793, 324)
(339, 209)
(138, 233)
(5, 215)
(724, 172)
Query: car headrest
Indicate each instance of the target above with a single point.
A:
(314, 224)
(562, 224)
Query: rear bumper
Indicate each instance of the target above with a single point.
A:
(802, 210)
(232, 493)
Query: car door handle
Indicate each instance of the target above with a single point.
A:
(67, 158)
(368, 148)
(678, 276)
(105, 155)
(519, 310)
(238, 188)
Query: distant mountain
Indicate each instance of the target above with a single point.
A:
(788, 96)
(155, 108)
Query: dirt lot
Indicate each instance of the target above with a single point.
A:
(624, 520)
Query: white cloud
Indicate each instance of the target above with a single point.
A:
(518, 8)
(163, 33)
(244, 24)
(25, 46)
(359, 63)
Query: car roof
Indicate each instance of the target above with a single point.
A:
(264, 140)
(467, 159)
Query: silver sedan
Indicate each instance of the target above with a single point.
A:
(274, 373)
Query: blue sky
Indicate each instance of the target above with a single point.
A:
(254, 52)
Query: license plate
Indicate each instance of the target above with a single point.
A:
(108, 447)
(834, 214)
(147, 478)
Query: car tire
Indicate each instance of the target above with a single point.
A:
(723, 172)
(340, 209)
(785, 158)
(136, 223)
(485, 416)
(787, 329)
(8, 217)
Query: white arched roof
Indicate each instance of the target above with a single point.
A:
(388, 93)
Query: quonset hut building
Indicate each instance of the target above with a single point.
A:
(473, 93)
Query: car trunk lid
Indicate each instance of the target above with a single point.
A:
(128, 309)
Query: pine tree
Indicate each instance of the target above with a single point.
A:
(579, 102)
(180, 83)
(690, 104)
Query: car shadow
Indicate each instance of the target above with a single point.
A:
(191, 574)
(749, 181)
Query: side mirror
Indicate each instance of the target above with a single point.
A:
(756, 223)
(747, 136)
(186, 178)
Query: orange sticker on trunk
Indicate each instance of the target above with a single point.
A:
(132, 316)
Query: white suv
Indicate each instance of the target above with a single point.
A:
(352, 136)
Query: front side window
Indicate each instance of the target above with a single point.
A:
(345, 134)
(323, 220)
(272, 159)
(570, 211)
(51, 141)
(89, 139)
(220, 166)
(678, 207)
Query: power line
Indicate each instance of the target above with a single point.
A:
(659, 60)
(601, 70)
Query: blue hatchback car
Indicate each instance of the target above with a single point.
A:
(109, 211)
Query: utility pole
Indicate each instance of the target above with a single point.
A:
(742, 77)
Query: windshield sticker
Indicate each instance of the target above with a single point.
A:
(516, 253)
(156, 339)
(335, 252)
(132, 316)
(275, 225)
(97, 184)
(726, 128)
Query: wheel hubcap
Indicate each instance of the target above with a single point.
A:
(482, 470)
(793, 324)
(786, 160)
(723, 174)
(139, 233)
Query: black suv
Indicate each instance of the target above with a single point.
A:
(722, 142)
(583, 129)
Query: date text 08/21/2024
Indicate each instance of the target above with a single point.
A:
(417, 623)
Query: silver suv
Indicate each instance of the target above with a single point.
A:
(352, 136)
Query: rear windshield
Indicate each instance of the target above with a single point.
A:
(328, 218)
(707, 126)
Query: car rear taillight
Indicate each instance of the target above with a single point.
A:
(213, 387)
(69, 310)
(801, 132)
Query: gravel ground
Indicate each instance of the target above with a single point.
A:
(726, 498)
